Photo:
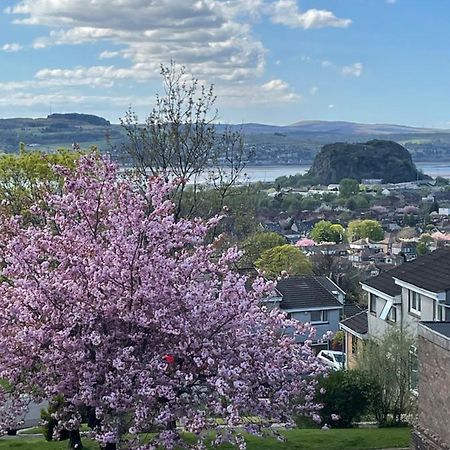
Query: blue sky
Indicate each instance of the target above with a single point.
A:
(271, 61)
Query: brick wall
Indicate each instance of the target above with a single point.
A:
(433, 428)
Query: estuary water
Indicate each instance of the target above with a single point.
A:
(270, 173)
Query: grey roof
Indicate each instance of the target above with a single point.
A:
(350, 309)
(430, 272)
(385, 282)
(329, 285)
(438, 327)
(358, 323)
(304, 293)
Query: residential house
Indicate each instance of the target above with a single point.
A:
(360, 256)
(333, 249)
(355, 330)
(444, 211)
(415, 291)
(387, 242)
(316, 300)
(431, 430)
(405, 248)
(361, 244)
(385, 258)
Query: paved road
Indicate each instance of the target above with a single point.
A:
(33, 416)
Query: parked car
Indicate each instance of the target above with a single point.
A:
(333, 359)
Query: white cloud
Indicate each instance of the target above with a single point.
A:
(355, 70)
(331, 106)
(275, 85)
(63, 99)
(97, 74)
(13, 47)
(313, 90)
(275, 91)
(209, 37)
(214, 39)
(286, 12)
(107, 54)
(280, 89)
(326, 63)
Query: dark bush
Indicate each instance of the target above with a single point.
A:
(346, 394)
(305, 422)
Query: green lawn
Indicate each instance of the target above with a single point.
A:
(353, 439)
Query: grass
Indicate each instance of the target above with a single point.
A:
(339, 439)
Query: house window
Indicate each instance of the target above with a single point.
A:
(415, 303)
(439, 311)
(373, 304)
(392, 315)
(319, 316)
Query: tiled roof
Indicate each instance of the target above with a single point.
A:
(365, 241)
(329, 285)
(304, 293)
(430, 272)
(385, 282)
(438, 327)
(357, 323)
(350, 309)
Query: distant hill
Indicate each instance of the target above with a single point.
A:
(335, 128)
(377, 159)
(84, 118)
(351, 128)
(295, 144)
(58, 130)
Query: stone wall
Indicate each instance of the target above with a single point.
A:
(433, 428)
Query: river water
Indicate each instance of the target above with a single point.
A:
(270, 173)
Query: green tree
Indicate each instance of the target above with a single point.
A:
(26, 177)
(180, 137)
(388, 362)
(283, 258)
(348, 187)
(257, 243)
(423, 246)
(409, 220)
(361, 229)
(325, 231)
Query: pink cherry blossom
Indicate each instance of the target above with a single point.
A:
(110, 302)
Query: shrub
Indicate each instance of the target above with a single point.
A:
(346, 394)
(305, 422)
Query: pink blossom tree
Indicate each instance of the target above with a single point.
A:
(126, 313)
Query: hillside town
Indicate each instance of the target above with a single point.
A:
(402, 266)
(224, 224)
